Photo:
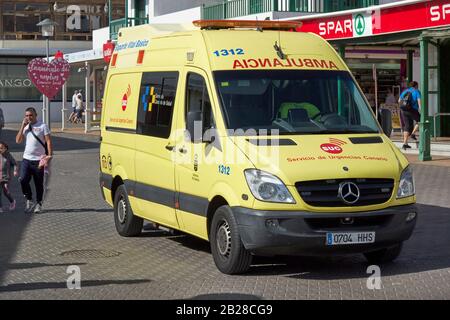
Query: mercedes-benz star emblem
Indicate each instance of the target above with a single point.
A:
(349, 192)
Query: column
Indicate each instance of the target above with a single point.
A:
(424, 126)
(63, 106)
(87, 85)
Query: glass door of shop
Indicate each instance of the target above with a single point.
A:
(433, 86)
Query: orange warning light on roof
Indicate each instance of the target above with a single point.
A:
(264, 24)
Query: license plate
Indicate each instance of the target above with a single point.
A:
(334, 239)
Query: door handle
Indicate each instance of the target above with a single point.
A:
(182, 150)
(169, 147)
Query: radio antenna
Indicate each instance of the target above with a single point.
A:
(258, 28)
(278, 48)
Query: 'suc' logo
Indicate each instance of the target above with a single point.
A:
(331, 148)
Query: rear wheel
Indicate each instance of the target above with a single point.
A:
(384, 255)
(127, 224)
(227, 249)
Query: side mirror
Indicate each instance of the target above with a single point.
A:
(209, 136)
(194, 125)
(385, 118)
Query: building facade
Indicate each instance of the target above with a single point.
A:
(386, 43)
(21, 40)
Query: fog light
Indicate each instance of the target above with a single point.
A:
(272, 223)
(411, 216)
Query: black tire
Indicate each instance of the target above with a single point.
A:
(384, 255)
(227, 249)
(127, 224)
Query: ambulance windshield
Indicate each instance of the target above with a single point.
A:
(294, 102)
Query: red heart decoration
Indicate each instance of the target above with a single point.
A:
(48, 77)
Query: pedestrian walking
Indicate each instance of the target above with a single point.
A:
(74, 106)
(410, 106)
(79, 109)
(38, 145)
(7, 165)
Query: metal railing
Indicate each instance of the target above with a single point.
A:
(240, 8)
(115, 25)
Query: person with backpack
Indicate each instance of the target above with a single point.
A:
(410, 105)
(38, 145)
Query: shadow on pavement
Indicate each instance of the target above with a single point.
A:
(427, 249)
(61, 142)
(20, 266)
(192, 243)
(63, 285)
(81, 210)
(226, 296)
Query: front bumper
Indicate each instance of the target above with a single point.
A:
(304, 233)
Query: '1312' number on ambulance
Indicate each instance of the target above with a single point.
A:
(231, 52)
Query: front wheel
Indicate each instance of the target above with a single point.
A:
(227, 249)
(384, 255)
(127, 224)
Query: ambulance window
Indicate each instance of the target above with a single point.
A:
(197, 98)
(156, 103)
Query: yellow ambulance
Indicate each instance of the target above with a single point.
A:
(253, 136)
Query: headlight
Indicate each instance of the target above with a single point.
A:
(406, 185)
(266, 187)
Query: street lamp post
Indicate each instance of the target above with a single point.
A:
(48, 29)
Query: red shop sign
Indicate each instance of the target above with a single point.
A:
(108, 49)
(391, 19)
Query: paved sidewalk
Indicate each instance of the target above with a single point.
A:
(78, 229)
(437, 161)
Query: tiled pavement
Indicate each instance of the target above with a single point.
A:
(36, 250)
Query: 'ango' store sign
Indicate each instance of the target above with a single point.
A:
(15, 83)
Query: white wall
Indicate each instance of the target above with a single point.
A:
(184, 16)
(99, 37)
(14, 111)
(54, 45)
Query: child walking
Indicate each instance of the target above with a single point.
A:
(7, 164)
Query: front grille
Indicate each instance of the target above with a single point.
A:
(336, 223)
(325, 193)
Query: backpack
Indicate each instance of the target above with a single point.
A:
(406, 104)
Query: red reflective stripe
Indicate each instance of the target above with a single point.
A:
(114, 59)
(140, 57)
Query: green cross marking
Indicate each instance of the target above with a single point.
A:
(360, 24)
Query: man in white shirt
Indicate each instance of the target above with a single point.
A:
(74, 106)
(37, 144)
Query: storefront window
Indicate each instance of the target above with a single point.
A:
(15, 85)
(388, 77)
(8, 23)
(27, 23)
(8, 7)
